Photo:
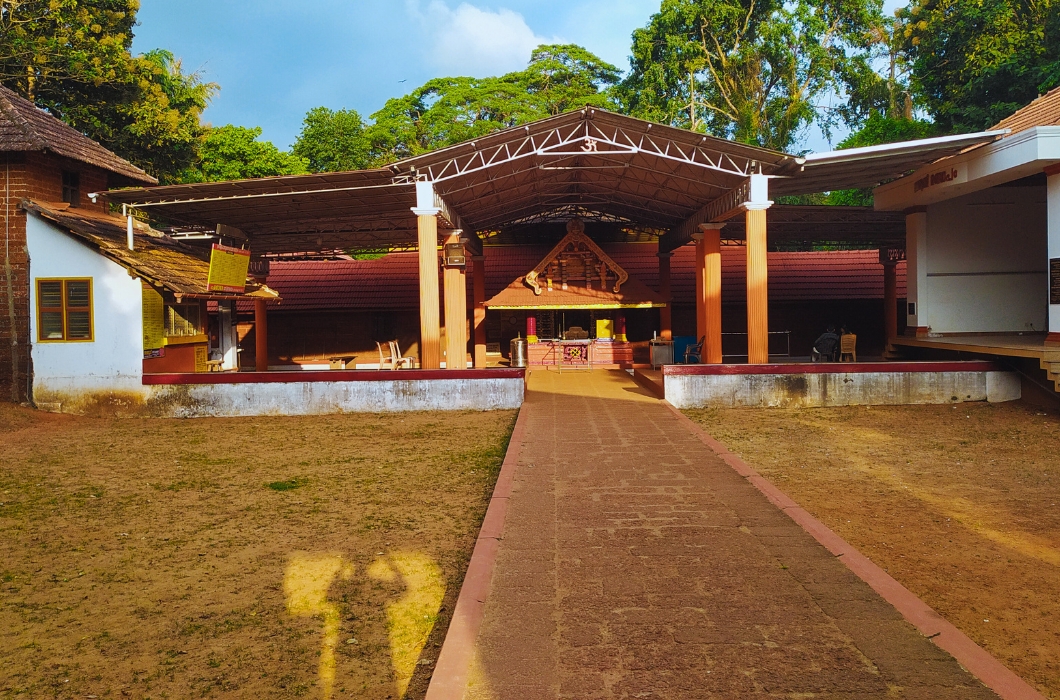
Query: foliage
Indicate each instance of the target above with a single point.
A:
(72, 58)
(877, 129)
(445, 111)
(747, 69)
(976, 62)
(333, 141)
(234, 153)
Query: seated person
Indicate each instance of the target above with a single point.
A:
(824, 348)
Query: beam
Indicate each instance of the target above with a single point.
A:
(666, 312)
(754, 189)
(426, 192)
(711, 242)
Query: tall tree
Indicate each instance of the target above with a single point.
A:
(976, 62)
(751, 70)
(333, 140)
(445, 111)
(235, 153)
(72, 57)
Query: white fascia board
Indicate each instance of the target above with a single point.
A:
(902, 147)
(1020, 155)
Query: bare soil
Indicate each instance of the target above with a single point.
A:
(961, 504)
(267, 557)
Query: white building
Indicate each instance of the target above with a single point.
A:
(983, 243)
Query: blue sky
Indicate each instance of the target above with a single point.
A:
(277, 60)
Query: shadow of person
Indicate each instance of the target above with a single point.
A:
(409, 586)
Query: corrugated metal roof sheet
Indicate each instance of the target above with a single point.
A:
(392, 282)
(25, 127)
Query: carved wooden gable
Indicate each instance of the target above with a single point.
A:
(576, 260)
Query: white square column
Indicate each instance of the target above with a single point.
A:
(1053, 232)
(917, 307)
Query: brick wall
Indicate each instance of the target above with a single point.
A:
(27, 176)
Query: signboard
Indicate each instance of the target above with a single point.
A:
(945, 176)
(153, 323)
(1054, 281)
(228, 269)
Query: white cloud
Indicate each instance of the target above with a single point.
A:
(472, 41)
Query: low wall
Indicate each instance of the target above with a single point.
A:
(842, 384)
(311, 393)
(301, 393)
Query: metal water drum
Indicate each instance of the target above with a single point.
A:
(518, 352)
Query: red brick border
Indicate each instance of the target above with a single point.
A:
(326, 375)
(968, 654)
(831, 368)
(450, 677)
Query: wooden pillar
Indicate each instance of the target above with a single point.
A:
(711, 241)
(430, 330)
(701, 301)
(455, 313)
(890, 301)
(665, 312)
(757, 287)
(261, 336)
(478, 282)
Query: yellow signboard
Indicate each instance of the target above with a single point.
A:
(152, 321)
(228, 269)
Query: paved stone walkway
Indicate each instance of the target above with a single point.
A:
(636, 564)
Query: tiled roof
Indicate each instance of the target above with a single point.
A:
(392, 282)
(1044, 111)
(156, 257)
(25, 127)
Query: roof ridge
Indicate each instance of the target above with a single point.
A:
(9, 110)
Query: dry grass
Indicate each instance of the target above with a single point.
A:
(961, 504)
(264, 557)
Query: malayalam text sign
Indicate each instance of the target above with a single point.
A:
(228, 269)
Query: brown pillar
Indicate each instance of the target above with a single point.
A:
(890, 301)
(427, 228)
(757, 288)
(455, 313)
(478, 283)
(665, 313)
(701, 302)
(261, 336)
(711, 242)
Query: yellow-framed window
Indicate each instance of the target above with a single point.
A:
(64, 310)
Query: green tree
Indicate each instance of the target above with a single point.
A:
(333, 141)
(72, 58)
(445, 111)
(751, 70)
(976, 62)
(565, 77)
(878, 128)
(234, 153)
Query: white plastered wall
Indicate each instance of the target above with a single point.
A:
(1053, 197)
(983, 268)
(113, 360)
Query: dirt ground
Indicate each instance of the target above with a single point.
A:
(961, 504)
(266, 557)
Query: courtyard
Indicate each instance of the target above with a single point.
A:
(243, 557)
(958, 503)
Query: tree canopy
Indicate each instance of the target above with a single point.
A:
(751, 70)
(235, 153)
(974, 63)
(72, 57)
(444, 111)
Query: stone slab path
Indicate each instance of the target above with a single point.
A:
(636, 564)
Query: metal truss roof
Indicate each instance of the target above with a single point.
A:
(647, 176)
